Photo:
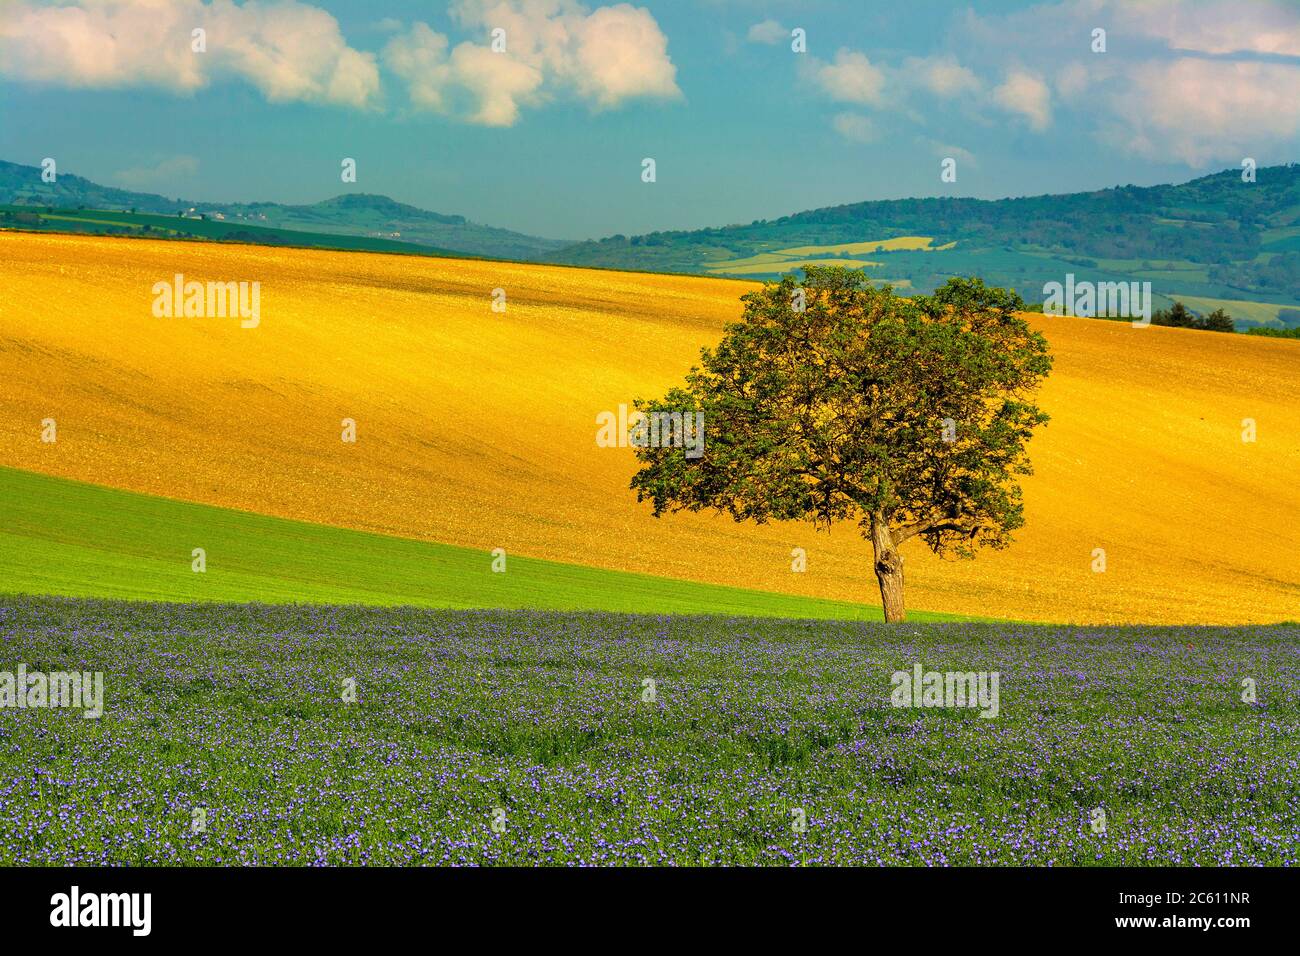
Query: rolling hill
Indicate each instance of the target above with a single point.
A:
(1215, 239)
(361, 215)
(476, 428)
(107, 222)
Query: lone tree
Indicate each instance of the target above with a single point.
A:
(833, 400)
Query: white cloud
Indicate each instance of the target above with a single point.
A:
(941, 75)
(498, 85)
(1214, 26)
(420, 57)
(768, 31)
(851, 78)
(620, 54)
(603, 57)
(855, 127)
(1073, 79)
(1185, 80)
(293, 51)
(1199, 111)
(290, 51)
(484, 86)
(1194, 81)
(1026, 94)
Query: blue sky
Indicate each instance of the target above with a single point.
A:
(548, 136)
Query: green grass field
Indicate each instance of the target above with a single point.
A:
(68, 538)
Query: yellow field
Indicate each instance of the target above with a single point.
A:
(746, 268)
(478, 428)
(762, 258)
(906, 243)
(784, 260)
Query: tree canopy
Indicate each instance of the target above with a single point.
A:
(832, 400)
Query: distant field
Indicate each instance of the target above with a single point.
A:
(872, 245)
(239, 230)
(1282, 240)
(789, 265)
(786, 260)
(1255, 313)
(542, 723)
(63, 537)
(478, 428)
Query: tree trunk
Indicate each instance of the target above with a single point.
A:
(889, 570)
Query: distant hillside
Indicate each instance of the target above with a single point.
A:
(148, 225)
(1215, 238)
(1213, 243)
(355, 214)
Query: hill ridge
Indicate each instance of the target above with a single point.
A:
(1214, 239)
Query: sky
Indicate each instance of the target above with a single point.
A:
(750, 110)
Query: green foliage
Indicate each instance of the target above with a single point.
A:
(837, 412)
(1218, 321)
(1180, 317)
(1177, 317)
(1279, 274)
(1288, 333)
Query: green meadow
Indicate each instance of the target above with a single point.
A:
(67, 538)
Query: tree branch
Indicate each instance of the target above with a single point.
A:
(942, 524)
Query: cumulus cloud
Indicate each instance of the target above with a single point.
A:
(1200, 110)
(293, 51)
(603, 57)
(1198, 83)
(1202, 83)
(1027, 95)
(1210, 97)
(850, 78)
(941, 75)
(288, 50)
(471, 79)
(621, 53)
(1215, 27)
(768, 31)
